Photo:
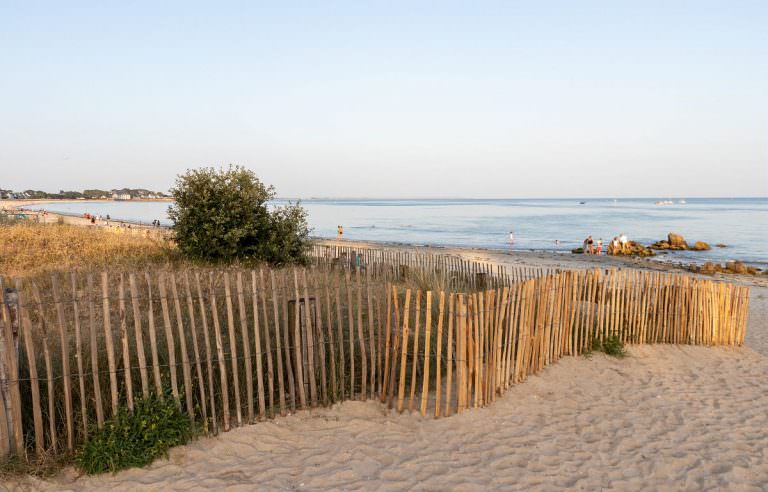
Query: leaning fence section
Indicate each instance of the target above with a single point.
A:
(235, 347)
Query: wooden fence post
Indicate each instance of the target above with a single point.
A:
(11, 434)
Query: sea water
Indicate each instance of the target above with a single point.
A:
(537, 224)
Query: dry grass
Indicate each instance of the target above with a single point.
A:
(45, 466)
(27, 248)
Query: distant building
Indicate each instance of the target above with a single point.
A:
(121, 196)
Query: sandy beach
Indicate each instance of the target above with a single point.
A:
(33, 207)
(665, 418)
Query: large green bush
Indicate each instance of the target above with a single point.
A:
(136, 438)
(223, 215)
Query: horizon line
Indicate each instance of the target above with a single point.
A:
(668, 197)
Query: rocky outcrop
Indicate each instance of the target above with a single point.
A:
(676, 242)
(737, 267)
(707, 268)
(733, 267)
(633, 248)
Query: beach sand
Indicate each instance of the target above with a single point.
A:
(664, 418)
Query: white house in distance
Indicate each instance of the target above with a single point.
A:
(121, 196)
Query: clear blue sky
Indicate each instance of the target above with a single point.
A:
(470, 99)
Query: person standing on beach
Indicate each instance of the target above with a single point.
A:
(613, 248)
(511, 238)
(339, 232)
(590, 245)
(623, 242)
(599, 248)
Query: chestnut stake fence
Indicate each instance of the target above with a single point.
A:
(237, 346)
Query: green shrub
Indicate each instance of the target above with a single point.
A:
(135, 438)
(614, 347)
(222, 215)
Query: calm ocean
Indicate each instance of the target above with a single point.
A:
(740, 223)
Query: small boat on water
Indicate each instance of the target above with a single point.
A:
(582, 203)
(682, 202)
(665, 202)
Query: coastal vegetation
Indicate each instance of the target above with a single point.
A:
(611, 345)
(136, 438)
(29, 248)
(222, 215)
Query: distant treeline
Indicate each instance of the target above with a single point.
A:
(119, 194)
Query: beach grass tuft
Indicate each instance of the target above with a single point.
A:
(614, 347)
(611, 345)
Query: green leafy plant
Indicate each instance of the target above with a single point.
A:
(614, 347)
(611, 345)
(223, 215)
(136, 438)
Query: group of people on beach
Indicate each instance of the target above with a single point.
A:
(93, 219)
(617, 245)
(105, 220)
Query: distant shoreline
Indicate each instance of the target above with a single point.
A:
(71, 218)
(30, 201)
(20, 204)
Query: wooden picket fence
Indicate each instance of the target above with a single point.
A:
(234, 347)
(398, 264)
